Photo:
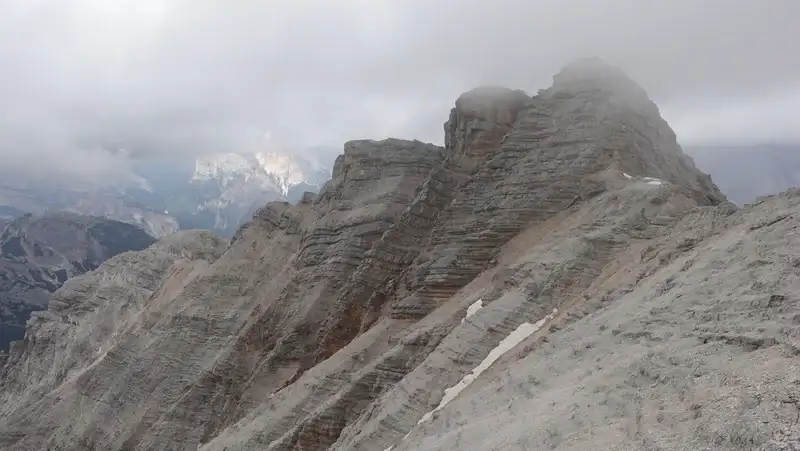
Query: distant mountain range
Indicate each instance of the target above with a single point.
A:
(164, 194)
(39, 253)
(54, 230)
(226, 189)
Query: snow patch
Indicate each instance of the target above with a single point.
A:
(653, 181)
(522, 332)
(648, 180)
(473, 309)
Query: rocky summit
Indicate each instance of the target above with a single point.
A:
(559, 276)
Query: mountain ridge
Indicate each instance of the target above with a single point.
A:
(39, 253)
(341, 322)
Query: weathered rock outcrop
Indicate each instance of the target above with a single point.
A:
(544, 281)
(39, 253)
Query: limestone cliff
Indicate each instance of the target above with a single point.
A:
(558, 276)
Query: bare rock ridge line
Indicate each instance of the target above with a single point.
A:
(635, 298)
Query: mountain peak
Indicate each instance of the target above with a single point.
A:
(292, 170)
(223, 167)
(559, 254)
(229, 187)
(479, 121)
(590, 73)
(271, 169)
(492, 103)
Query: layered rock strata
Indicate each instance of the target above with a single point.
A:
(341, 322)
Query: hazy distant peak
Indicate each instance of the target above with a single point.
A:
(271, 168)
(223, 166)
(289, 171)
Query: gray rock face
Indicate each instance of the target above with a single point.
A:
(635, 297)
(39, 253)
(479, 122)
(685, 341)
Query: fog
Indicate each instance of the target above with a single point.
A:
(84, 78)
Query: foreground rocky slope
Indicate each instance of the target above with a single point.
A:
(39, 253)
(561, 252)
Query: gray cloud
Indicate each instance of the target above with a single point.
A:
(194, 76)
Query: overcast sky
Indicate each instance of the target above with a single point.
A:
(196, 76)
